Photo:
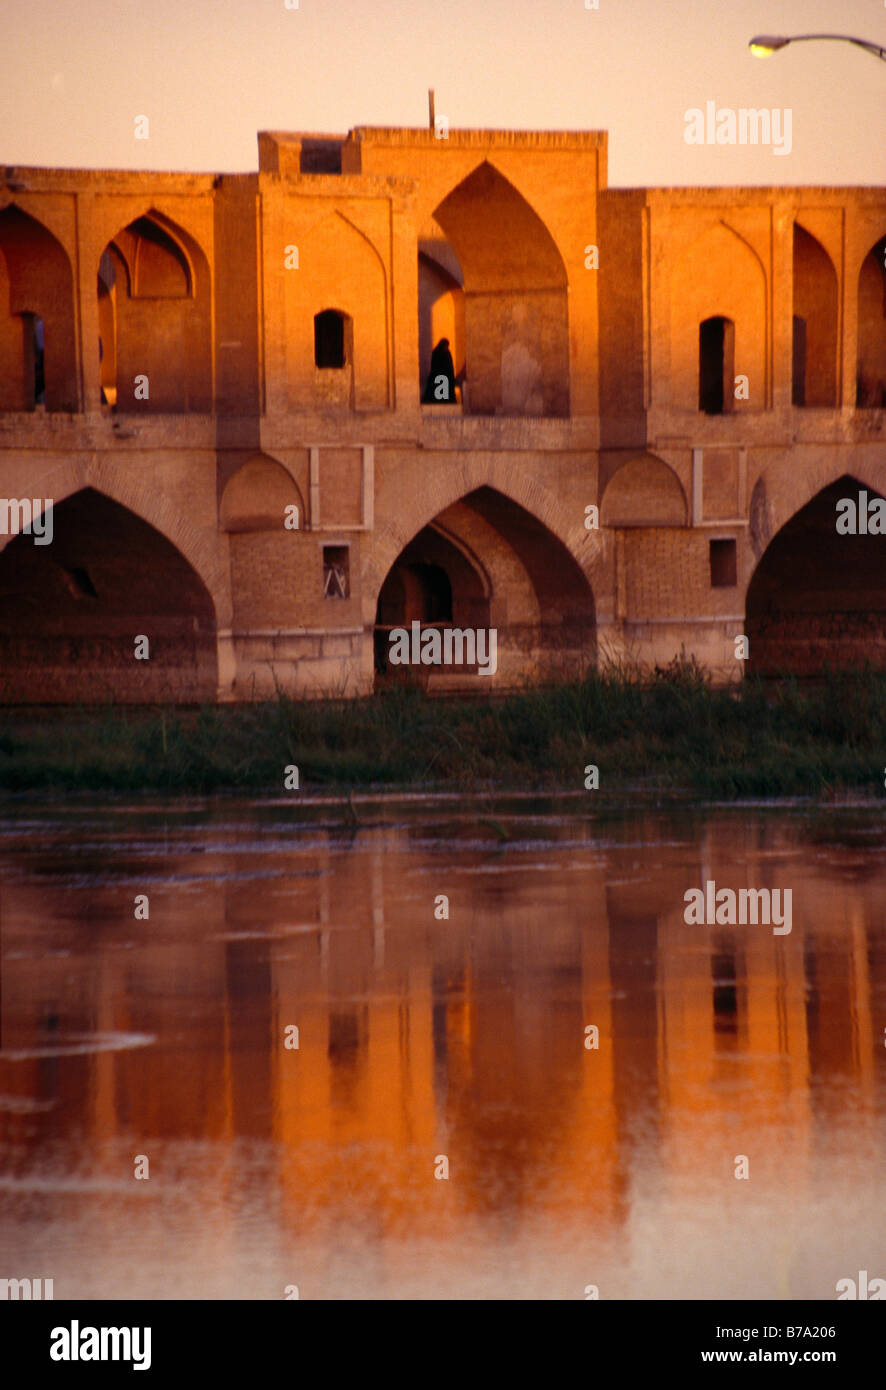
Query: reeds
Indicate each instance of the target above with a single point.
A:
(661, 729)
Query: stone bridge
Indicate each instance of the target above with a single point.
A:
(217, 383)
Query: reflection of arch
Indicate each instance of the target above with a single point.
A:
(818, 598)
(154, 318)
(36, 283)
(644, 492)
(257, 496)
(70, 612)
(505, 570)
(515, 286)
(815, 323)
(871, 375)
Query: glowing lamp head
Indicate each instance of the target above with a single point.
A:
(764, 45)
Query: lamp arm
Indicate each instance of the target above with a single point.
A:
(845, 38)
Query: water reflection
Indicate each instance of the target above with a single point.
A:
(420, 1038)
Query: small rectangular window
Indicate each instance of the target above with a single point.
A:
(320, 157)
(724, 565)
(336, 571)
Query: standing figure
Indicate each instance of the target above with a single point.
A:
(441, 382)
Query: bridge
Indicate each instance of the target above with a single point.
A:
(216, 382)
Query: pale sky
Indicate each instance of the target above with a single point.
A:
(209, 74)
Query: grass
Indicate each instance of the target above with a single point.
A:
(668, 730)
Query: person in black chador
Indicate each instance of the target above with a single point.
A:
(441, 366)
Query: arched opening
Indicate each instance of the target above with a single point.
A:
(70, 612)
(716, 365)
(516, 330)
(871, 375)
(37, 352)
(154, 320)
(487, 563)
(330, 339)
(818, 597)
(435, 583)
(441, 310)
(815, 308)
(107, 329)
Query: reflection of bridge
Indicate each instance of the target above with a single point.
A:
(463, 1037)
(189, 364)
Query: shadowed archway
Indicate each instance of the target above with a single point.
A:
(815, 315)
(515, 303)
(817, 599)
(487, 562)
(38, 358)
(154, 310)
(70, 612)
(871, 372)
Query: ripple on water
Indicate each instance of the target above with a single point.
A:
(80, 1044)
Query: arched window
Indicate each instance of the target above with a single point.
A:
(814, 380)
(36, 308)
(330, 338)
(716, 352)
(107, 328)
(871, 379)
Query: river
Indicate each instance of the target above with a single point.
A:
(439, 1048)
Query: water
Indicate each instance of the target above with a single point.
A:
(159, 1044)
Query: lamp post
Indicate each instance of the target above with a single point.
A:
(764, 45)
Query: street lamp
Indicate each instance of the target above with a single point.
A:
(764, 45)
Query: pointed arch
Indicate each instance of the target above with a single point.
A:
(815, 309)
(503, 569)
(817, 598)
(71, 612)
(154, 297)
(871, 370)
(135, 491)
(719, 275)
(347, 274)
(36, 284)
(515, 297)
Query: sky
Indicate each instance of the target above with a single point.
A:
(209, 74)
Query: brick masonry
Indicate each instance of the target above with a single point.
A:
(581, 386)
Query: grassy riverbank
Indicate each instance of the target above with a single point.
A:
(668, 732)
